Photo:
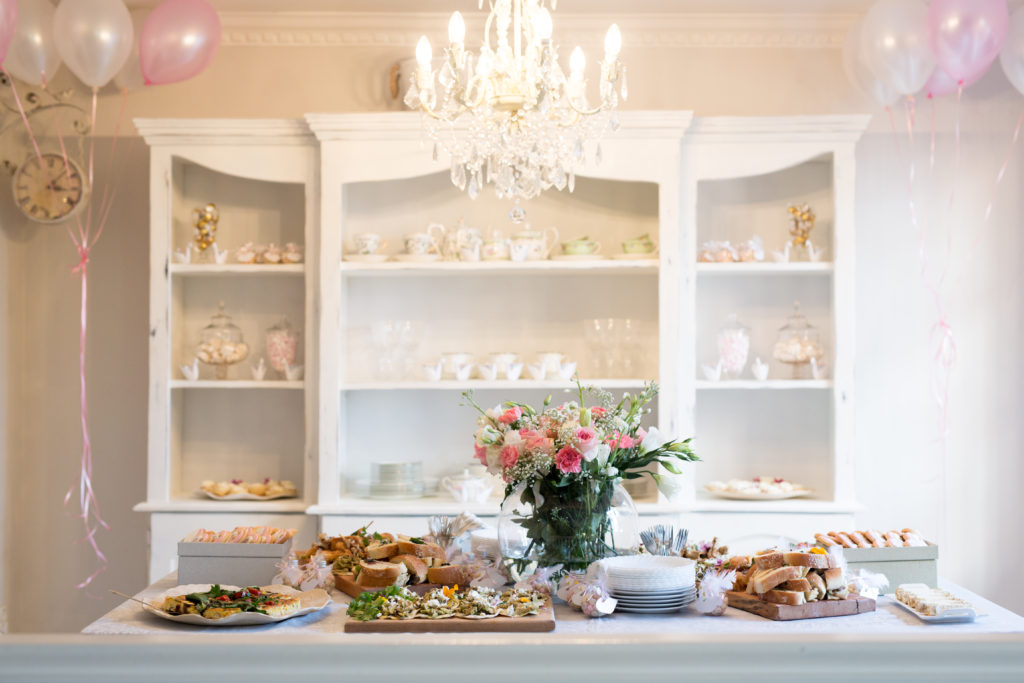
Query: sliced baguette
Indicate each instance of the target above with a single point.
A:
(416, 567)
(420, 549)
(382, 551)
(800, 585)
(768, 560)
(781, 597)
(833, 579)
(376, 574)
(769, 579)
(448, 575)
(812, 560)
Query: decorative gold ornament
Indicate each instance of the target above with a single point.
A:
(803, 223)
(205, 221)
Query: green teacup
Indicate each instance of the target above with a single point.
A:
(584, 246)
(639, 245)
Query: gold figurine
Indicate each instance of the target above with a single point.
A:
(803, 223)
(205, 221)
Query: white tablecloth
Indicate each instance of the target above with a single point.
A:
(130, 619)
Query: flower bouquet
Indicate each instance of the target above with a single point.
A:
(562, 468)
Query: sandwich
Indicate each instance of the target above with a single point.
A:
(447, 575)
(431, 553)
(379, 574)
(415, 566)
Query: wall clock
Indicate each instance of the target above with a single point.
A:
(48, 190)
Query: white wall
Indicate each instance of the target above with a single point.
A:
(899, 473)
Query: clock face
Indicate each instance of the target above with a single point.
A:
(48, 191)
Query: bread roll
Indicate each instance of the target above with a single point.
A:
(448, 575)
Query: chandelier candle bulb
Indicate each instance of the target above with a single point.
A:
(577, 61)
(612, 42)
(456, 29)
(423, 52)
(542, 25)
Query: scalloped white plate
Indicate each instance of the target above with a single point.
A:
(798, 492)
(310, 601)
(249, 496)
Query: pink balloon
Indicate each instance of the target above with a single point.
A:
(8, 18)
(966, 35)
(179, 39)
(941, 84)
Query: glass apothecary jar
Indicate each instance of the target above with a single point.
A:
(733, 347)
(221, 343)
(282, 345)
(798, 344)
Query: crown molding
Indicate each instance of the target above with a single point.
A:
(697, 30)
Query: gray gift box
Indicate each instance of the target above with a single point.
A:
(900, 565)
(233, 564)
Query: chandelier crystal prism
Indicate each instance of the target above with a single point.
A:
(509, 116)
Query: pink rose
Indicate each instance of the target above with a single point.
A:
(586, 437)
(509, 456)
(568, 460)
(511, 415)
(480, 453)
(525, 433)
(597, 412)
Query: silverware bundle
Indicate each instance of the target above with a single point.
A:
(662, 539)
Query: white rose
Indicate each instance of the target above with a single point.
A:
(670, 485)
(653, 441)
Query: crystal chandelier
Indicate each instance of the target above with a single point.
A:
(510, 116)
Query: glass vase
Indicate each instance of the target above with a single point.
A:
(571, 526)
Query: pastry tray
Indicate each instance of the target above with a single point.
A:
(956, 615)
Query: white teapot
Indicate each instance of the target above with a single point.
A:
(467, 488)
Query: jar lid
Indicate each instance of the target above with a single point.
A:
(797, 321)
(220, 319)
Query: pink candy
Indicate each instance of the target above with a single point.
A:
(282, 347)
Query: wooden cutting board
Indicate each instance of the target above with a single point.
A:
(810, 610)
(345, 584)
(537, 623)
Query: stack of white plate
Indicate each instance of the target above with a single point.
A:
(651, 583)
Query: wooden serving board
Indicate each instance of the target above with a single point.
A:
(810, 610)
(537, 623)
(345, 584)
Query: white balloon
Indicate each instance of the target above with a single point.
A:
(894, 44)
(1012, 55)
(94, 37)
(859, 73)
(33, 55)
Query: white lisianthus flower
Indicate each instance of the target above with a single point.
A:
(512, 438)
(495, 412)
(601, 454)
(653, 441)
(489, 436)
(670, 485)
(610, 471)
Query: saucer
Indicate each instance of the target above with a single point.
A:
(417, 258)
(635, 257)
(577, 257)
(366, 258)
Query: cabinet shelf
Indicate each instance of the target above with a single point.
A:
(708, 503)
(766, 268)
(396, 269)
(204, 269)
(296, 505)
(767, 385)
(439, 505)
(451, 384)
(236, 384)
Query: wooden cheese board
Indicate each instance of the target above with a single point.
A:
(810, 610)
(346, 584)
(541, 622)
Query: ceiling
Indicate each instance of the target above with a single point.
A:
(564, 6)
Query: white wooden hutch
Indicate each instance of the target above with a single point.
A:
(320, 181)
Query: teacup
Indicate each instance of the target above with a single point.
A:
(495, 251)
(454, 360)
(538, 244)
(639, 245)
(419, 243)
(584, 246)
(520, 251)
(368, 243)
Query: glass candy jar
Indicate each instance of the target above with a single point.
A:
(282, 345)
(798, 343)
(733, 347)
(570, 526)
(221, 344)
